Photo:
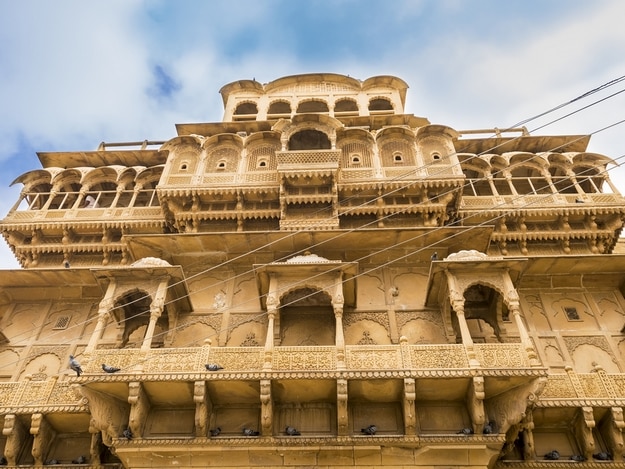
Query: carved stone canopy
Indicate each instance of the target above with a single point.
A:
(472, 264)
(311, 271)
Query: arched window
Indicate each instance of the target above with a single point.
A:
(246, 108)
(312, 106)
(279, 107)
(262, 163)
(221, 165)
(309, 140)
(345, 105)
(380, 104)
(355, 159)
(398, 158)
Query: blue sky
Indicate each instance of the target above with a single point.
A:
(75, 73)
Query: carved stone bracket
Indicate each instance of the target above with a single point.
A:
(44, 433)
(475, 403)
(16, 433)
(410, 418)
(509, 408)
(341, 407)
(203, 407)
(107, 413)
(139, 407)
(266, 408)
(583, 425)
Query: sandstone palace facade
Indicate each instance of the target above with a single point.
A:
(319, 280)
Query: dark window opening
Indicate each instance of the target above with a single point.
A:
(279, 107)
(312, 106)
(309, 140)
(246, 108)
(380, 104)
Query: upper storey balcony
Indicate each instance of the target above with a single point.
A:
(80, 206)
(542, 201)
(329, 94)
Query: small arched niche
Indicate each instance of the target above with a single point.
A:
(483, 309)
(307, 318)
(132, 312)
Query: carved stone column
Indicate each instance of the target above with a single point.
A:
(103, 316)
(467, 340)
(340, 336)
(272, 310)
(156, 309)
(613, 431)
(475, 403)
(525, 338)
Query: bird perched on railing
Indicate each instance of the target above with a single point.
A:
(466, 431)
(3, 461)
(250, 432)
(602, 456)
(110, 369)
(74, 365)
(127, 433)
(370, 430)
(553, 455)
(215, 431)
(578, 458)
(489, 428)
(80, 460)
(291, 431)
(52, 462)
(213, 367)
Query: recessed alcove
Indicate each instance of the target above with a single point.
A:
(235, 405)
(441, 406)
(172, 410)
(554, 429)
(307, 405)
(376, 402)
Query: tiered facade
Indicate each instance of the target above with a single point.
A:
(343, 264)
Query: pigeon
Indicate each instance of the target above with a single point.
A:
(110, 369)
(127, 434)
(213, 367)
(434, 257)
(250, 432)
(578, 458)
(3, 461)
(291, 431)
(552, 455)
(215, 431)
(52, 462)
(466, 431)
(370, 430)
(489, 428)
(74, 365)
(602, 456)
(79, 460)
(66, 264)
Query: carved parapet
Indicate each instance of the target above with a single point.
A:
(501, 355)
(139, 408)
(44, 434)
(108, 414)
